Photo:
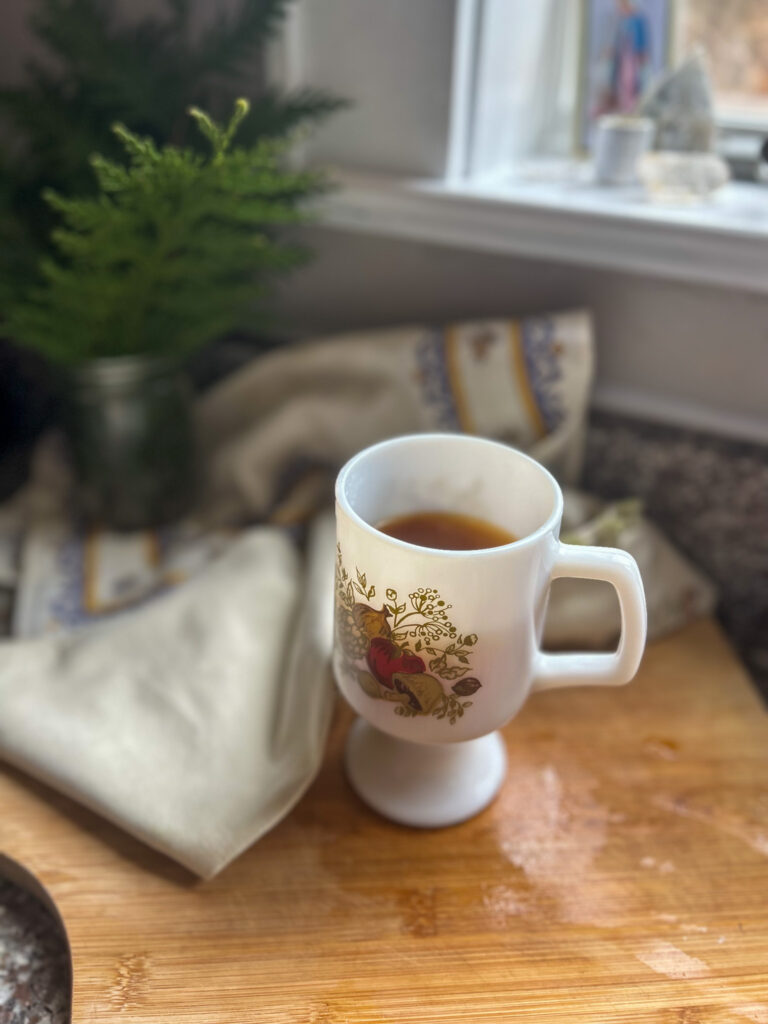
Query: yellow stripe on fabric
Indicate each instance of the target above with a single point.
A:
(91, 601)
(152, 545)
(523, 380)
(457, 384)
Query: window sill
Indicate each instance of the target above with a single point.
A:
(723, 242)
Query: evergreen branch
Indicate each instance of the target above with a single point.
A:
(174, 249)
(180, 12)
(277, 114)
(234, 38)
(143, 73)
(70, 28)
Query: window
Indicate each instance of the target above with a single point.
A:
(535, 69)
(482, 105)
(491, 91)
(516, 72)
(734, 35)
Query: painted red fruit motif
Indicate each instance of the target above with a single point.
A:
(385, 659)
(416, 660)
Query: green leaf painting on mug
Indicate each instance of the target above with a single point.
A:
(392, 641)
(453, 672)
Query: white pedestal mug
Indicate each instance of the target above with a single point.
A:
(437, 649)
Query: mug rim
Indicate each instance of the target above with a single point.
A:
(530, 538)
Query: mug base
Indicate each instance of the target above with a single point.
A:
(422, 785)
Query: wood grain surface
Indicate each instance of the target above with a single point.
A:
(622, 875)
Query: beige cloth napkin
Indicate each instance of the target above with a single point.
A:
(196, 721)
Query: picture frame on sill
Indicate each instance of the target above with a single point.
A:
(625, 45)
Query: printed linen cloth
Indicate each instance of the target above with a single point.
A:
(276, 432)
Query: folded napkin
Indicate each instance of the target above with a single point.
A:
(196, 721)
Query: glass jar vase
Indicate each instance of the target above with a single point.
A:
(130, 425)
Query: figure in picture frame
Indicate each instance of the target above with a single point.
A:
(626, 45)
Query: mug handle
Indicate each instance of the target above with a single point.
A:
(618, 568)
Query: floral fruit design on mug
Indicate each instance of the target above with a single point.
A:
(407, 652)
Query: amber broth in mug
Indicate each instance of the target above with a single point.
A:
(448, 531)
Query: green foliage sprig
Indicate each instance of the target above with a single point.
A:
(176, 248)
(100, 68)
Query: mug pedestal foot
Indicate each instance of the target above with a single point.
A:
(422, 785)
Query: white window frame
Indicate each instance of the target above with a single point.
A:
(724, 243)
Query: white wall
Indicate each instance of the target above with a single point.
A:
(671, 351)
(393, 58)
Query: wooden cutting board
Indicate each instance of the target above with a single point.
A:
(622, 875)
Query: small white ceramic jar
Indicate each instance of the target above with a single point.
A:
(620, 142)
